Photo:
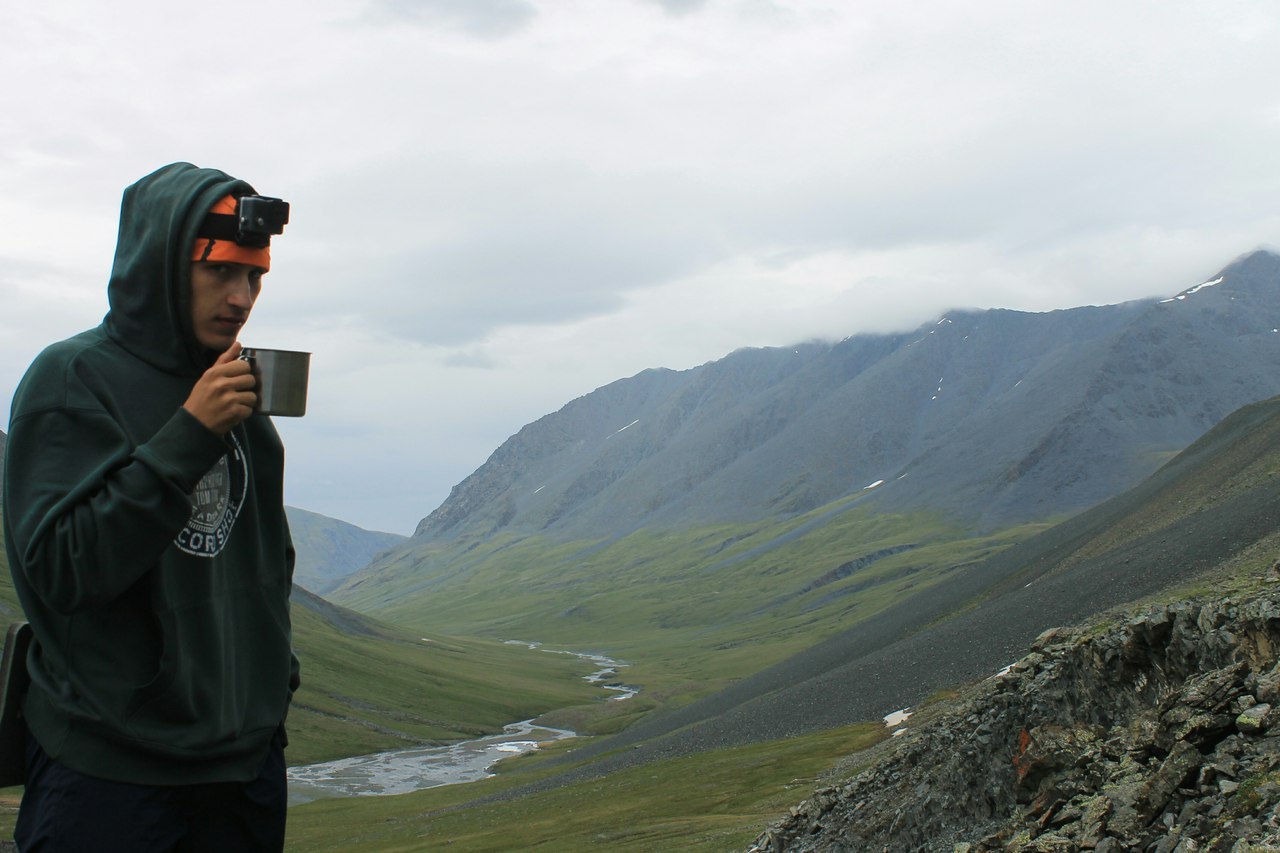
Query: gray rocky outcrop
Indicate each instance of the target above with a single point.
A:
(1158, 734)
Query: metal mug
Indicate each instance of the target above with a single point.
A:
(281, 380)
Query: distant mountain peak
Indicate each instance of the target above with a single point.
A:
(1256, 272)
(1196, 289)
(329, 550)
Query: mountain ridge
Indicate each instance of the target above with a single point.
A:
(1096, 398)
(329, 550)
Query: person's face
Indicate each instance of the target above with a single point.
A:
(222, 295)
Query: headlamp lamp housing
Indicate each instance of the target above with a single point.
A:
(256, 219)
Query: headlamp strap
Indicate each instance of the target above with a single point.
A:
(220, 226)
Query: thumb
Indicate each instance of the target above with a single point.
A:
(232, 353)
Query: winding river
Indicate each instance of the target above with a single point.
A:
(401, 771)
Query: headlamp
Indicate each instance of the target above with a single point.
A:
(255, 220)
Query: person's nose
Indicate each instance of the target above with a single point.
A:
(241, 293)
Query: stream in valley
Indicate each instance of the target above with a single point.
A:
(401, 771)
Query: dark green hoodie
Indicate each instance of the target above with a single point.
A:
(152, 556)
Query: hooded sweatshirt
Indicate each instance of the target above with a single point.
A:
(151, 555)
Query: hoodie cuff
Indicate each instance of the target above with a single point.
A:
(183, 450)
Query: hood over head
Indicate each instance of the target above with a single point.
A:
(150, 289)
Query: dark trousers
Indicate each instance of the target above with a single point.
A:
(63, 810)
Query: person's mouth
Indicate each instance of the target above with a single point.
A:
(229, 325)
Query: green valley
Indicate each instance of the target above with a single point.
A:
(690, 609)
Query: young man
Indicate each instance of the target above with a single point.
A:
(145, 528)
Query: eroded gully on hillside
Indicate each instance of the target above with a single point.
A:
(402, 771)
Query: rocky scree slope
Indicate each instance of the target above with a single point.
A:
(994, 417)
(1162, 733)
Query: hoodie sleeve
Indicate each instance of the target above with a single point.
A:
(87, 513)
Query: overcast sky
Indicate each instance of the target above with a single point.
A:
(501, 205)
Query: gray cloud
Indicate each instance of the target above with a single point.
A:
(453, 250)
(679, 7)
(481, 18)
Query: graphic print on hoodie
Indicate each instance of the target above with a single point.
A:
(215, 504)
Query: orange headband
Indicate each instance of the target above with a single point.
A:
(228, 251)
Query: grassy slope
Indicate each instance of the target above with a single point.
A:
(698, 803)
(363, 694)
(691, 610)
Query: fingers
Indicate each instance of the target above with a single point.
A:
(232, 353)
(229, 364)
(236, 376)
(226, 394)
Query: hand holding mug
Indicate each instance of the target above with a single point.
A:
(224, 396)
